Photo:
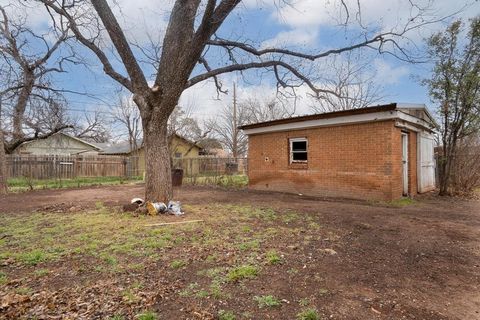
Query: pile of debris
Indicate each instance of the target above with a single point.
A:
(139, 206)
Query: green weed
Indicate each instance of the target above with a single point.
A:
(149, 315)
(308, 314)
(41, 272)
(267, 301)
(178, 264)
(272, 257)
(242, 272)
(226, 315)
(3, 278)
(33, 257)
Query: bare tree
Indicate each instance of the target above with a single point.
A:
(19, 50)
(225, 128)
(45, 118)
(183, 123)
(191, 31)
(258, 110)
(352, 80)
(126, 118)
(93, 126)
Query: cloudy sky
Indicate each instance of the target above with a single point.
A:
(306, 25)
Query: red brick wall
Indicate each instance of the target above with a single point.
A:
(352, 161)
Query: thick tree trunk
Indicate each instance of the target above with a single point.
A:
(446, 166)
(21, 105)
(3, 166)
(444, 177)
(3, 162)
(158, 178)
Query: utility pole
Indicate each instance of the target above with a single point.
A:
(235, 125)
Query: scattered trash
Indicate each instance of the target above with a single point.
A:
(138, 201)
(175, 208)
(155, 208)
(169, 223)
(138, 206)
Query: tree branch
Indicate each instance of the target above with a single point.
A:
(121, 44)
(258, 65)
(10, 147)
(107, 66)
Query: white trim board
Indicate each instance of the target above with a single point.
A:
(350, 119)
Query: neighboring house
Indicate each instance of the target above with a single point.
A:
(216, 153)
(181, 150)
(58, 144)
(383, 153)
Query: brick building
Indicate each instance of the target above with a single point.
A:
(382, 152)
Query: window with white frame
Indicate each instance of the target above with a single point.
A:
(298, 150)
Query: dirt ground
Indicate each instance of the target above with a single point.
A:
(345, 259)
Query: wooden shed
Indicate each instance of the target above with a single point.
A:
(380, 153)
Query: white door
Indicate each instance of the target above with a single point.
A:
(405, 163)
(426, 163)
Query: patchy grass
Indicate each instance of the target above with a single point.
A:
(24, 184)
(226, 315)
(227, 181)
(41, 272)
(267, 301)
(308, 314)
(33, 257)
(397, 203)
(249, 245)
(242, 272)
(178, 264)
(111, 260)
(3, 278)
(272, 257)
(147, 316)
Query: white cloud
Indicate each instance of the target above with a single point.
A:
(386, 74)
(296, 37)
(309, 16)
(143, 18)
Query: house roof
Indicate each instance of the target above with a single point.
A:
(121, 148)
(368, 114)
(68, 136)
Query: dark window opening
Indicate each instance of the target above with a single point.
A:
(299, 156)
(298, 150)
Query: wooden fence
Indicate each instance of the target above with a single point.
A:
(69, 167)
(210, 166)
